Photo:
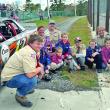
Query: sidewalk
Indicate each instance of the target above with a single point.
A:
(50, 100)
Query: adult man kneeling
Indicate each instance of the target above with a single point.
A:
(21, 70)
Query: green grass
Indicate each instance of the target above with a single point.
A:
(80, 28)
(83, 79)
(60, 18)
(45, 21)
(41, 23)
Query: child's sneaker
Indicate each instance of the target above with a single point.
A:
(99, 70)
(83, 68)
(70, 71)
(47, 77)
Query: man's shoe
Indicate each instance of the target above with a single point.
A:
(83, 68)
(71, 71)
(23, 101)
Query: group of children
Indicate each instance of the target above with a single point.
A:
(54, 55)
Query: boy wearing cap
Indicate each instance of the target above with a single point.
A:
(80, 51)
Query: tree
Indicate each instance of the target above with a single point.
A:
(27, 5)
(31, 6)
(28, 1)
(82, 7)
(34, 6)
(57, 5)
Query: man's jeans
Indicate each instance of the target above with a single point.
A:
(22, 83)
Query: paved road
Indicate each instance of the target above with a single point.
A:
(64, 27)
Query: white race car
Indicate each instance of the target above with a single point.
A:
(12, 37)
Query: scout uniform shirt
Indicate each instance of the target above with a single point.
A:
(22, 61)
(100, 40)
(54, 35)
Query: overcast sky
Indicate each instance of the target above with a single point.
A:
(42, 2)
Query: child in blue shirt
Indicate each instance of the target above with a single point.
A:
(93, 55)
(67, 53)
(45, 59)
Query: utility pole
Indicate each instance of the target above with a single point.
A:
(93, 14)
(98, 11)
(75, 7)
(48, 9)
(88, 11)
(40, 4)
(107, 15)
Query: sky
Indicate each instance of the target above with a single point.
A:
(42, 2)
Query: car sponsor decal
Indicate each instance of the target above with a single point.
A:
(21, 43)
(5, 53)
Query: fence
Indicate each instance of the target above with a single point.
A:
(99, 13)
(25, 15)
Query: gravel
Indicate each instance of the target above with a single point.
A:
(57, 83)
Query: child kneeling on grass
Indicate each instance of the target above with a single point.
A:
(79, 51)
(45, 60)
(57, 59)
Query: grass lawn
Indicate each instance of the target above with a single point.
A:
(84, 79)
(45, 21)
(80, 28)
